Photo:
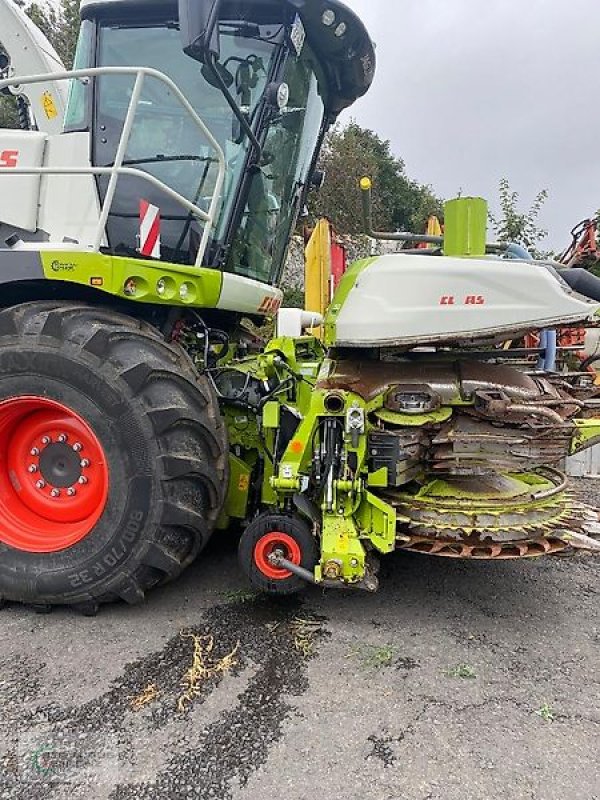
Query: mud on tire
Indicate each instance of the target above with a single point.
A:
(164, 443)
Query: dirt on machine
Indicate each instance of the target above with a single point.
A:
(146, 209)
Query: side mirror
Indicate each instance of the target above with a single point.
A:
(200, 39)
(199, 27)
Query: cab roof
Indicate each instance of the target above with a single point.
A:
(348, 60)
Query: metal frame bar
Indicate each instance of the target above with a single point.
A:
(117, 169)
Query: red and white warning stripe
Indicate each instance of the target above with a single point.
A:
(149, 230)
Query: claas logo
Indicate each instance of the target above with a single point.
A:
(9, 158)
(270, 305)
(470, 300)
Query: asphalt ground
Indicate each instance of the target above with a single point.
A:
(457, 681)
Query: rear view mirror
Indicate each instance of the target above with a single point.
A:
(199, 26)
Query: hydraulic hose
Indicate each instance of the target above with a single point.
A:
(582, 281)
(514, 250)
(541, 364)
(551, 351)
(23, 112)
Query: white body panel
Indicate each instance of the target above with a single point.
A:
(19, 194)
(31, 53)
(295, 322)
(248, 296)
(69, 205)
(413, 300)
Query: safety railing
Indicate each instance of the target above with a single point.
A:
(117, 169)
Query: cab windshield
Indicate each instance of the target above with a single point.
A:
(276, 190)
(166, 142)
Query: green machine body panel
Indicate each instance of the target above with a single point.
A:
(135, 279)
(466, 220)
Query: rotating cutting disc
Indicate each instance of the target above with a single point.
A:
(502, 516)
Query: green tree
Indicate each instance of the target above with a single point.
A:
(60, 24)
(293, 298)
(66, 43)
(351, 152)
(514, 225)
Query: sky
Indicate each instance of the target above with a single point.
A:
(471, 91)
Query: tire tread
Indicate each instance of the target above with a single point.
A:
(188, 414)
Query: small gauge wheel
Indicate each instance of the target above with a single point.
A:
(270, 534)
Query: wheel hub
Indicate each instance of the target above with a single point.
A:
(53, 475)
(60, 466)
(274, 545)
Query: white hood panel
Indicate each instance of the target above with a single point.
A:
(413, 300)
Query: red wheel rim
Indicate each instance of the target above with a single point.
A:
(267, 545)
(53, 475)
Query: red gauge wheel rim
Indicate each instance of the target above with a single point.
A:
(53, 475)
(271, 542)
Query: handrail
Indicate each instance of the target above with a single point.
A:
(117, 169)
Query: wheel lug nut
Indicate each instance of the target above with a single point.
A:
(62, 438)
(46, 440)
(71, 492)
(40, 485)
(32, 468)
(83, 480)
(84, 463)
(77, 447)
(55, 493)
(34, 451)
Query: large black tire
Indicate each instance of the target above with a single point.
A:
(164, 441)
